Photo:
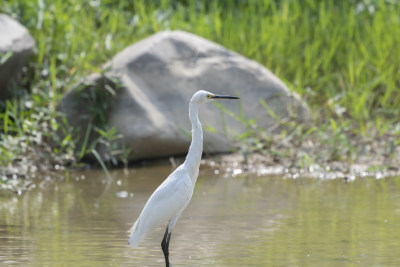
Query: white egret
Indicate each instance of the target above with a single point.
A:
(173, 195)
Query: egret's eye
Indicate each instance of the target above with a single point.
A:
(209, 96)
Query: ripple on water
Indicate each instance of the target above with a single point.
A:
(240, 221)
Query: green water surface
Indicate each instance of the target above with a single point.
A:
(231, 221)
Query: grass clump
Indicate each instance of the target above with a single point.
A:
(28, 143)
(342, 57)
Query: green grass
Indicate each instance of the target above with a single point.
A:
(342, 57)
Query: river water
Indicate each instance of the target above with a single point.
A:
(240, 220)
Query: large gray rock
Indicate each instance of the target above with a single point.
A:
(158, 76)
(16, 45)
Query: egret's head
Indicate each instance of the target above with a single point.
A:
(204, 96)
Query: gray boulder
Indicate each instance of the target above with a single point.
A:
(157, 77)
(16, 45)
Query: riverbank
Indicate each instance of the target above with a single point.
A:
(18, 177)
(261, 166)
(341, 58)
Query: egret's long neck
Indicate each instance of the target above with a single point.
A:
(193, 158)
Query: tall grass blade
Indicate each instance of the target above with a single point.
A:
(101, 162)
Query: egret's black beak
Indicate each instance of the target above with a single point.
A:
(224, 97)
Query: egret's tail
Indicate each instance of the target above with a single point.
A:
(136, 236)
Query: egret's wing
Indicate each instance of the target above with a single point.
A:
(169, 199)
(167, 202)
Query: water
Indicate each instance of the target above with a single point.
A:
(231, 221)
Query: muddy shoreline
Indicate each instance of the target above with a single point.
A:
(20, 176)
(259, 165)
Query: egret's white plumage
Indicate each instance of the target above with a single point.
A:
(173, 195)
(166, 203)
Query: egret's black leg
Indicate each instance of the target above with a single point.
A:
(165, 245)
